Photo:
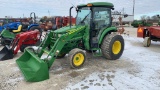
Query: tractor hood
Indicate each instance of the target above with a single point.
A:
(66, 29)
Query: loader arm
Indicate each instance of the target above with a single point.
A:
(58, 45)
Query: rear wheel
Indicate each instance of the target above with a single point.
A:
(147, 42)
(112, 46)
(76, 57)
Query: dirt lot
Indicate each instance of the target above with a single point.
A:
(137, 69)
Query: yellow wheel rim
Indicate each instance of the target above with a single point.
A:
(116, 48)
(78, 59)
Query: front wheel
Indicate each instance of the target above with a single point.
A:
(76, 57)
(112, 46)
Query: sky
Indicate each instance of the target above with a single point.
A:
(20, 8)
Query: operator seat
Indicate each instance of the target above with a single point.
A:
(18, 30)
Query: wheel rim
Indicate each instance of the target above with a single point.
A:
(78, 59)
(116, 48)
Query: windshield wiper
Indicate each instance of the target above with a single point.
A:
(85, 17)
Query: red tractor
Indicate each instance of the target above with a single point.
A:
(21, 41)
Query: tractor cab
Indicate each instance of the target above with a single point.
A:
(97, 17)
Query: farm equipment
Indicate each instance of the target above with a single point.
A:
(93, 32)
(21, 41)
(149, 34)
(8, 34)
(142, 23)
(56, 23)
(12, 26)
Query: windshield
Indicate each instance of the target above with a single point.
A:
(83, 16)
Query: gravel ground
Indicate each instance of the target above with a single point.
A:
(138, 68)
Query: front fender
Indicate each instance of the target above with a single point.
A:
(1, 28)
(105, 32)
(29, 27)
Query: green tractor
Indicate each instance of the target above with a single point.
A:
(93, 32)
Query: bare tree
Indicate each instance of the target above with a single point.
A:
(144, 17)
(148, 18)
(155, 18)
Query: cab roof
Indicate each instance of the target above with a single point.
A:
(97, 4)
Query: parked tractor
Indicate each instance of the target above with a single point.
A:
(8, 34)
(93, 32)
(21, 41)
(12, 26)
(149, 34)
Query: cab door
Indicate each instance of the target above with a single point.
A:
(101, 19)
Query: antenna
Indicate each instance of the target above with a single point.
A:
(73, 5)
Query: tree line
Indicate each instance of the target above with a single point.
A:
(154, 18)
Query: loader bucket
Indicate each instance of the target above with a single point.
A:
(33, 68)
(6, 53)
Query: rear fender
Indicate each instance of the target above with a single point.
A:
(104, 32)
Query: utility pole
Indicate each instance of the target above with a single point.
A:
(133, 6)
(49, 13)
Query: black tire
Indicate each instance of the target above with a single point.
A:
(4, 41)
(37, 27)
(90, 51)
(61, 55)
(22, 47)
(112, 46)
(147, 42)
(74, 57)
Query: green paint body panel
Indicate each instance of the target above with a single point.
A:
(106, 31)
(98, 4)
(7, 34)
(86, 38)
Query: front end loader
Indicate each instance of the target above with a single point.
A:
(21, 41)
(93, 32)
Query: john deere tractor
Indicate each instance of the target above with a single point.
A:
(93, 32)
